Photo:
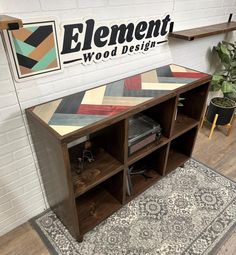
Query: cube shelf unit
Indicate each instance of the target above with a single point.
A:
(82, 201)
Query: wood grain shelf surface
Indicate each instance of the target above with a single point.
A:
(176, 158)
(199, 32)
(96, 172)
(182, 124)
(8, 22)
(140, 183)
(95, 207)
(147, 150)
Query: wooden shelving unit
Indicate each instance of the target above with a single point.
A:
(199, 32)
(83, 200)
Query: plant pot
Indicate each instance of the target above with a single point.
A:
(231, 96)
(213, 94)
(225, 112)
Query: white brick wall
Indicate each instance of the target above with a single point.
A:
(21, 195)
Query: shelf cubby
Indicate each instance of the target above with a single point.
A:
(95, 172)
(182, 124)
(180, 149)
(194, 101)
(176, 158)
(147, 150)
(100, 202)
(188, 115)
(108, 160)
(110, 135)
(163, 113)
(155, 164)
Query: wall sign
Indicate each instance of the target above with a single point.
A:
(88, 41)
(34, 48)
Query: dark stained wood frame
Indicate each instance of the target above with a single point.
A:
(200, 32)
(81, 210)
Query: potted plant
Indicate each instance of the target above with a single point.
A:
(224, 80)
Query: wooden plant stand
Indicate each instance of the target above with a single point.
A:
(82, 201)
(228, 126)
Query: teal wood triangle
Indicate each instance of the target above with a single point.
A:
(45, 61)
(22, 48)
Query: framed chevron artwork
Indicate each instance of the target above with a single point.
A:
(34, 49)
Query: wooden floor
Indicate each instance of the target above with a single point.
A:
(218, 153)
(22, 241)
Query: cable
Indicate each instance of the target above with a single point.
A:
(173, 7)
(22, 115)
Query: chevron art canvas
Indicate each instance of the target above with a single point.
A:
(34, 49)
(85, 108)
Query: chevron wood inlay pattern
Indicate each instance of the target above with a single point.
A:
(85, 108)
(35, 48)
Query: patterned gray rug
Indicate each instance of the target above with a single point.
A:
(190, 211)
